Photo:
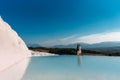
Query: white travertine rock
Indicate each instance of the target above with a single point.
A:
(13, 51)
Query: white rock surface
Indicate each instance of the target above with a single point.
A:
(12, 52)
(37, 53)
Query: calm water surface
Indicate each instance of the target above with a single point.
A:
(73, 68)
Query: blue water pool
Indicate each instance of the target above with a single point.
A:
(73, 68)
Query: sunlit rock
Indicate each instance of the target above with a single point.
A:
(13, 53)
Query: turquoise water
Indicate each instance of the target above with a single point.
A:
(73, 68)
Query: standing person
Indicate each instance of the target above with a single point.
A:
(78, 50)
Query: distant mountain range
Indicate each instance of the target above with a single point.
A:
(84, 45)
(33, 45)
(89, 46)
(104, 47)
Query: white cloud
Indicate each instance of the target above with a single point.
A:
(68, 38)
(98, 38)
(90, 39)
(63, 41)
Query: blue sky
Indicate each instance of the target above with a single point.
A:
(49, 22)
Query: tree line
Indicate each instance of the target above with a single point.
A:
(65, 51)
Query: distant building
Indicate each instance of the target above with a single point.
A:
(79, 49)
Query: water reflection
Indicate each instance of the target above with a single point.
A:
(66, 68)
(79, 58)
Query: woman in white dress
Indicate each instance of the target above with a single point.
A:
(78, 50)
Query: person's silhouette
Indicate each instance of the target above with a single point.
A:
(78, 50)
